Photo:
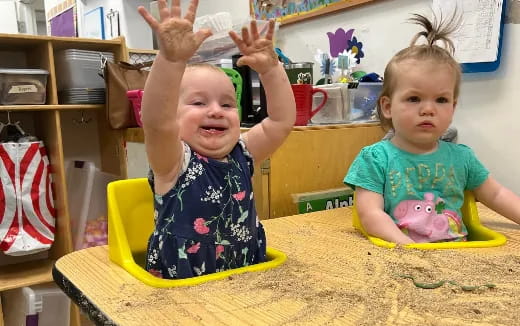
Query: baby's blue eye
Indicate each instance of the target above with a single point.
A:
(197, 103)
(414, 99)
(442, 100)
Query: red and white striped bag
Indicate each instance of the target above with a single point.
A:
(27, 214)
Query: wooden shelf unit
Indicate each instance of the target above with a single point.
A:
(1, 314)
(26, 274)
(60, 107)
(46, 123)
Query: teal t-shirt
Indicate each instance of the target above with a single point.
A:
(423, 193)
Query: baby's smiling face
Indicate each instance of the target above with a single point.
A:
(207, 115)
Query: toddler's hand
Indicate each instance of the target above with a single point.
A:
(177, 42)
(258, 53)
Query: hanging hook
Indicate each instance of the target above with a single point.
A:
(16, 124)
(83, 120)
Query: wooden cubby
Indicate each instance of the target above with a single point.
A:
(51, 122)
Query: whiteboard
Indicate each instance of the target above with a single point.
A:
(94, 24)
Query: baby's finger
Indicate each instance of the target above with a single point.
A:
(254, 30)
(245, 36)
(148, 18)
(238, 41)
(270, 31)
(164, 13)
(201, 35)
(175, 11)
(192, 11)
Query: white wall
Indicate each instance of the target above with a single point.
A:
(136, 31)
(8, 22)
(488, 115)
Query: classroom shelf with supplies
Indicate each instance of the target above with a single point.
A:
(73, 131)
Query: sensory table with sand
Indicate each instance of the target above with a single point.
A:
(332, 275)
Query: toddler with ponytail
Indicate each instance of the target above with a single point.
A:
(410, 188)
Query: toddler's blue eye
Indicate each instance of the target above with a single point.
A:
(442, 100)
(197, 103)
(414, 99)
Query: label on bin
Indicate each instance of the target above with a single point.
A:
(17, 89)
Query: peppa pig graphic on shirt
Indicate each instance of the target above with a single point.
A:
(427, 220)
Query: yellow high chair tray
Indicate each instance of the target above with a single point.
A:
(478, 235)
(130, 223)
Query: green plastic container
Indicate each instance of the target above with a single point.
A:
(236, 79)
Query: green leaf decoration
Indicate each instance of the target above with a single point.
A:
(243, 217)
(182, 252)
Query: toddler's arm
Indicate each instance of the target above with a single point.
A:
(370, 207)
(258, 53)
(177, 44)
(499, 198)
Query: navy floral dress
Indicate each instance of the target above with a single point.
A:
(207, 222)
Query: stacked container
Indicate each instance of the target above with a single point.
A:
(363, 102)
(87, 193)
(38, 305)
(79, 76)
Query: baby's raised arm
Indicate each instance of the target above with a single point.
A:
(177, 44)
(375, 220)
(258, 53)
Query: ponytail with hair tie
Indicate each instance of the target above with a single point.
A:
(438, 30)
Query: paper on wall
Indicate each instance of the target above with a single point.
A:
(477, 39)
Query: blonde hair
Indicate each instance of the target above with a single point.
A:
(438, 30)
(203, 65)
(208, 66)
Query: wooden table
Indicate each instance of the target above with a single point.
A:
(333, 276)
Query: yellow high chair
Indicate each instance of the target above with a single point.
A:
(130, 223)
(478, 235)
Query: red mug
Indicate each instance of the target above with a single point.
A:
(303, 94)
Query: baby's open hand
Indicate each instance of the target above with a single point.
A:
(177, 42)
(258, 53)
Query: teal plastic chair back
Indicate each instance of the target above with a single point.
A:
(236, 79)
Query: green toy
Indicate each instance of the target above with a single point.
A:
(236, 79)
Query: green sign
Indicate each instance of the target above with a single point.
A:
(320, 204)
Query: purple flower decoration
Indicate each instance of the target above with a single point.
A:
(356, 48)
(338, 41)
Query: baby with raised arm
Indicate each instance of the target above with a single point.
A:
(201, 164)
